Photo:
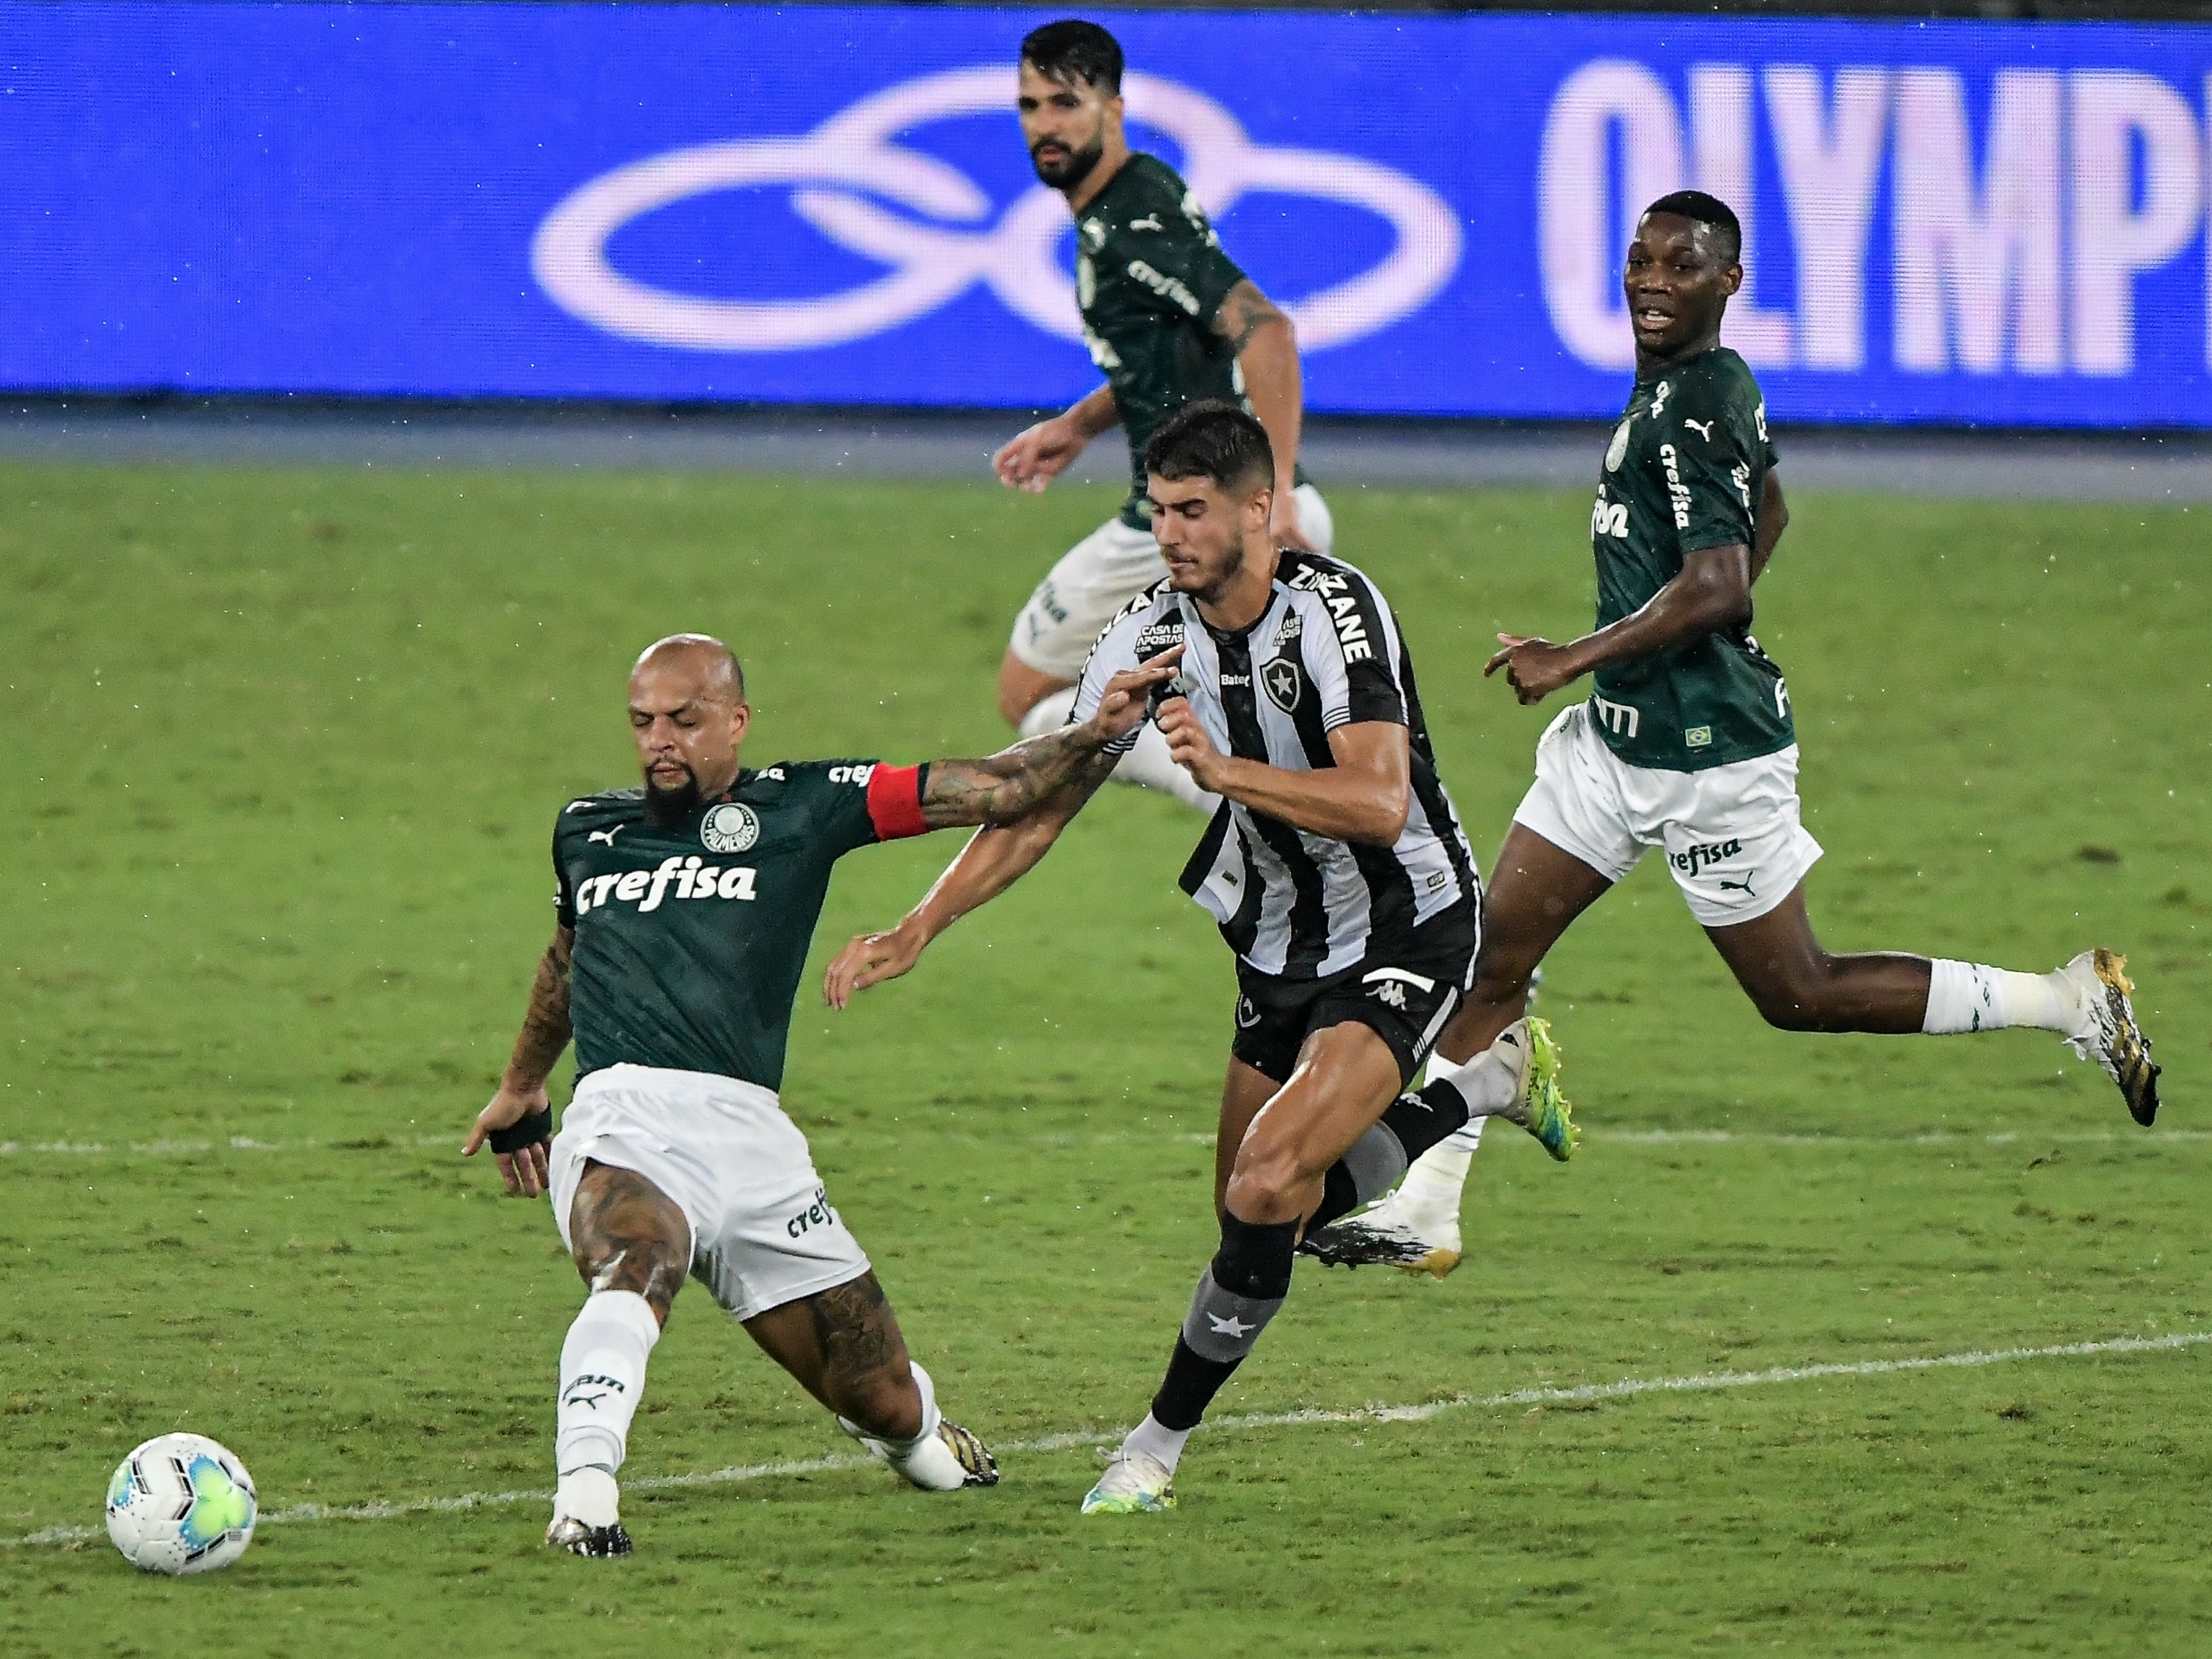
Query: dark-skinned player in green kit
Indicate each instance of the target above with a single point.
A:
(684, 910)
(1687, 744)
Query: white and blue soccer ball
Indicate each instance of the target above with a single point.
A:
(181, 1504)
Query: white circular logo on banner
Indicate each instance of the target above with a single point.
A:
(844, 172)
(732, 827)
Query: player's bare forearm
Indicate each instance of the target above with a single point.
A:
(545, 1027)
(993, 860)
(1266, 349)
(1002, 788)
(1094, 414)
(1364, 797)
(1366, 804)
(1711, 591)
(1773, 520)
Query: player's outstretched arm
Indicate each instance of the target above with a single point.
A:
(1267, 348)
(1364, 797)
(1711, 591)
(1040, 453)
(521, 1102)
(1074, 762)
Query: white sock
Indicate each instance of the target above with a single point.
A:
(602, 1378)
(1971, 996)
(1487, 1083)
(1050, 713)
(1157, 1441)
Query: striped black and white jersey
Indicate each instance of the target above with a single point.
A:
(1326, 652)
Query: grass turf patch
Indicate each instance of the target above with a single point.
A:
(285, 751)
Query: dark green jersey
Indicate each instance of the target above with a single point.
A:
(1150, 278)
(1686, 470)
(690, 938)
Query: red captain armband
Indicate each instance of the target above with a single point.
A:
(895, 802)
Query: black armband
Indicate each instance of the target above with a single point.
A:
(537, 1126)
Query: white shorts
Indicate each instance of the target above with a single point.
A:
(1103, 572)
(1731, 834)
(762, 1232)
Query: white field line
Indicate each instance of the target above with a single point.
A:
(1626, 1388)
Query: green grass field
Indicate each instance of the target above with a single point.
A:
(282, 753)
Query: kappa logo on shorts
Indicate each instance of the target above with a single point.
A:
(1703, 857)
(816, 1214)
(733, 827)
(1283, 683)
(1387, 985)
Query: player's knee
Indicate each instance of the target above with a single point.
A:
(1794, 997)
(1268, 1185)
(651, 1267)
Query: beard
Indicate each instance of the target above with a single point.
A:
(1067, 174)
(668, 808)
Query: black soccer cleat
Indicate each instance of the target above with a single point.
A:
(1346, 1244)
(600, 1543)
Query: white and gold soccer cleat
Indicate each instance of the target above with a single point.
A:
(944, 1461)
(2109, 1034)
(1134, 1483)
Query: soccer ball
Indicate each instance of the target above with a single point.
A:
(181, 1504)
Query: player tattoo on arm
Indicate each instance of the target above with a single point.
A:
(1010, 784)
(1004, 788)
(545, 1027)
(1244, 313)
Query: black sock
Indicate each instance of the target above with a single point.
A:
(1417, 1122)
(1237, 1295)
(1426, 1118)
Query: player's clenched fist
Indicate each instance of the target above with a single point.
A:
(1189, 746)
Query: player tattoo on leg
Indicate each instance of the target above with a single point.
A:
(859, 1333)
(630, 1236)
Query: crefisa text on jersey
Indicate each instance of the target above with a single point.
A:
(692, 878)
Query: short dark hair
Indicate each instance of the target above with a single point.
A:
(1214, 440)
(1073, 50)
(1700, 209)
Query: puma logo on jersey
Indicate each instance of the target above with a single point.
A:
(1704, 428)
(607, 836)
(688, 878)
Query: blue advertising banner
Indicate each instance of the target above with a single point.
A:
(1957, 223)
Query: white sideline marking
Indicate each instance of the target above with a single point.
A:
(1627, 1388)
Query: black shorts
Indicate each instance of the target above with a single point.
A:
(1404, 990)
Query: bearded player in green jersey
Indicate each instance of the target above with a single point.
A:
(682, 914)
(1687, 744)
(1170, 320)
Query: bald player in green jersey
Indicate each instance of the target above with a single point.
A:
(682, 913)
(1687, 745)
